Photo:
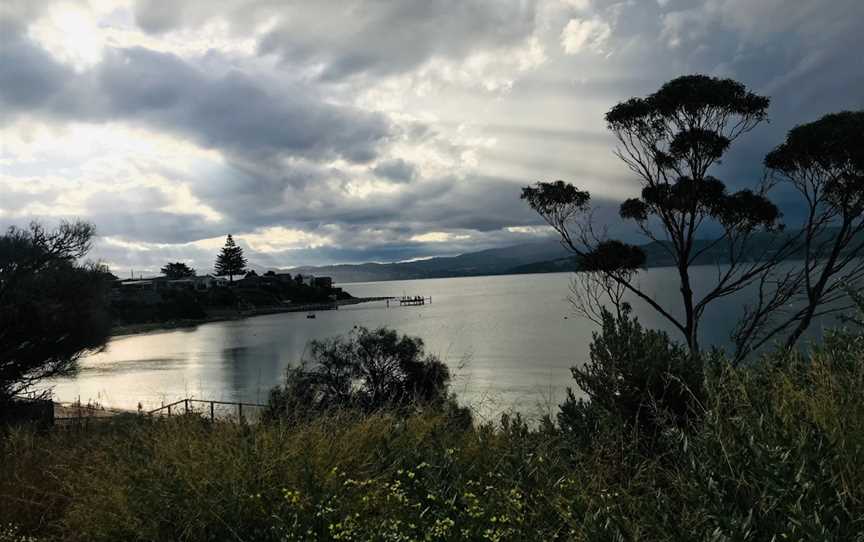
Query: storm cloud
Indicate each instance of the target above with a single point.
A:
(232, 112)
(322, 132)
(344, 38)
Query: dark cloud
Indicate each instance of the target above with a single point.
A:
(158, 227)
(156, 16)
(343, 38)
(394, 37)
(159, 16)
(396, 170)
(232, 113)
(29, 77)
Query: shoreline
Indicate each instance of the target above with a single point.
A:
(155, 327)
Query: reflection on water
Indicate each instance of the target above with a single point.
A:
(509, 340)
(134, 365)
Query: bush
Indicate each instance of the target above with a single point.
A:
(639, 378)
(221, 297)
(180, 305)
(371, 370)
(779, 453)
(581, 420)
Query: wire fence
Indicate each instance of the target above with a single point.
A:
(213, 410)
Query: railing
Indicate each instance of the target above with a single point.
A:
(187, 406)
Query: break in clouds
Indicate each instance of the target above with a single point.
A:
(321, 132)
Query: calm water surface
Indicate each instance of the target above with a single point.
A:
(509, 340)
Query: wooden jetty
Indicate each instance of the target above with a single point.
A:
(414, 300)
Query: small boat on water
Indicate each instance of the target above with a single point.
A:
(310, 315)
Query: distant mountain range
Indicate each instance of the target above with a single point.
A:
(539, 257)
(496, 261)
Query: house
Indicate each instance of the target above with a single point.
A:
(219, 281)
(308, 280)
(270, 280)
(207, 282)
(200, 283)
(180, 284)
(144, 291)
(135, 285)
(251, 280)
(153, 284)
(322, 282)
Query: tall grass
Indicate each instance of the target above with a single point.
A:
(777, 454)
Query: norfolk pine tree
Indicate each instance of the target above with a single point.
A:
(230, 261)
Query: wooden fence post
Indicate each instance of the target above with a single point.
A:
(212, 417)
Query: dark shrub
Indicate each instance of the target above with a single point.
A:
(369, 370)
(53, 309)
(639, 377)
(180, 305)
(582, 420)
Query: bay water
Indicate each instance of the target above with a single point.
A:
(509, 341)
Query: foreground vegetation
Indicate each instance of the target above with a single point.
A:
(770, 452)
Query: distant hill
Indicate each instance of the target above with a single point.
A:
(494, 261)
(540, 257)
(656, 255)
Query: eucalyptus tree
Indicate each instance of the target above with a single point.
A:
(670, 140)
(823, 162)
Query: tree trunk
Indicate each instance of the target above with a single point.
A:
(802, 326)
(814, 294)
(689, 313)
(814, 297)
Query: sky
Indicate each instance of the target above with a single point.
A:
(370, 130)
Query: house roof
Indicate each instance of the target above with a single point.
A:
(136, 281)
